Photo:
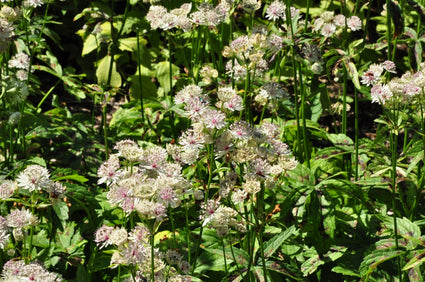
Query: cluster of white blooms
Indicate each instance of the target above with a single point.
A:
(277, 10)
(16, 222)
(33, 178)
(133, 248)
(327, 24)
(147, 184)
(37, 178)
(248, 54)
(206, 14)
(381, 92)
(18, 270)
(8, 16)
(270, 91)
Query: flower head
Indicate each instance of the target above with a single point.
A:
(34, 177)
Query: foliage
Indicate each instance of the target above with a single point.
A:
(212, 140)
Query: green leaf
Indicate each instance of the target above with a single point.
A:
(61, 209)
(310, 266)
(417, 260)
(162, 73)
(274, 243)
(316, 108)
(90, 44)
(341, 141)
(373, 260)
(345, 271)
(75, 177)
(102, 72)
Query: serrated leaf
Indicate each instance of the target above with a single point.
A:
(274, 243)
(341, 141)
(373, 260)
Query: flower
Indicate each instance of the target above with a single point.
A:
(102, 236)
(20, 61)
(380, 93)
(18, 270)
(33, 3)
(354, 23)
(7, 188)
(21, 219)
(34, 177)
(276, 11)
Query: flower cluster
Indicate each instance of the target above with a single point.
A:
(206, 14)
(221, 218)
(8, 16)
(327, 24)
(249, 52)
(147, 184)
(277, 10)
(18, 270)
(133, 248)
(37, 178)
(382, 92)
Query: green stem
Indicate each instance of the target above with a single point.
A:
(356, 136)
(226, 271)
(139, 68)
(303, 117)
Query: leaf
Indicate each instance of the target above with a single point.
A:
(274, 243)
(373, 260)
(70, 241)
(341, 141)
(61, 209)
(352, 72)
(345, 271)
(75, 177)
(316, 108)
(102, 72)
(90, 44)
(162, 73)
(417, 260)
(310, 266)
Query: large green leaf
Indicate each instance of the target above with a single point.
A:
(104, 70)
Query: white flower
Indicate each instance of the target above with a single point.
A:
(34, 177)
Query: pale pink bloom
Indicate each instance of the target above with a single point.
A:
(276, 11)
(102, 235)
(389, 66)
(380, 93)
(339, 20)
(33, 3)
(240, 130)
(234, 104)
(214, 119)
(328, 29)
(20, 61)
(354, 23)
(34, 177)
